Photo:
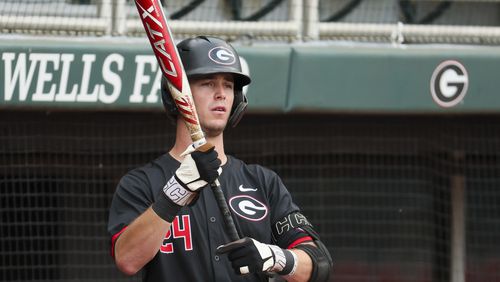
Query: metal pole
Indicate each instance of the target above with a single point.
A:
(311, 20)
(458, 218)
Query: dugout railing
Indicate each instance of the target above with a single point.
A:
(394, 21)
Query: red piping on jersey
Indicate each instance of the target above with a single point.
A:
(113, 241)
(300, 241)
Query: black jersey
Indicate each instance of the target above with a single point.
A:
(257, 199)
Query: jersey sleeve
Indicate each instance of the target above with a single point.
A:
(280, 199)
(132, 197)
(282, 205)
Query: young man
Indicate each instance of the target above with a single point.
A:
(164, 221)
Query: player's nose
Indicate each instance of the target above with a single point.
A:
(220, 91)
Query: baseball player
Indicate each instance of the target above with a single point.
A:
(165, 222)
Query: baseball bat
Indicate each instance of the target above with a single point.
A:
(162, 42)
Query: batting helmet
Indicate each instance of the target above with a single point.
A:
(209, 55)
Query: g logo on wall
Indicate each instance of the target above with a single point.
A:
(248, 208)
(222, 56)
(449, 83)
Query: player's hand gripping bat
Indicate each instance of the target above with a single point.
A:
(160, 37)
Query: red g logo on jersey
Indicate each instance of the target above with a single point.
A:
(248, 208)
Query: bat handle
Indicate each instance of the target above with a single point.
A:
(201, 144)
(226, 213)
(221, 200)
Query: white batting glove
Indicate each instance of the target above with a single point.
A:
(195, 172)
(248, 255)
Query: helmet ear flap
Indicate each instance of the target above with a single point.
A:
(241, 103)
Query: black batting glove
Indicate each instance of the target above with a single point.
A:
(248, 255)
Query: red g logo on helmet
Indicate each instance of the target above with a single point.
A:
(222, 56)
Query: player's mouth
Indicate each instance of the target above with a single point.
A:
(219, 109)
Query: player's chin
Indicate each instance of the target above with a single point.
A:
(219, 119)
(214, 128)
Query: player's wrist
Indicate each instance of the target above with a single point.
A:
(291, 262)
(165, 208)
(178, 192)
(171, 199)
(285, 261)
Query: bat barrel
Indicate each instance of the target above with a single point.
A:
(160, 37)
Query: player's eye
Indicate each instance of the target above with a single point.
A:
(229, 85)
(207, 83)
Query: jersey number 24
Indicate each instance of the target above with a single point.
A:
(178, 231)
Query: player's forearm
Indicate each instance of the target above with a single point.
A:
(304, 267)
(140, 242)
